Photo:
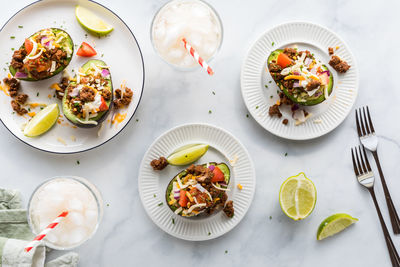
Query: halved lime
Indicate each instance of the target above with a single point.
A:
(91, 22)
(334, 224)
(187, 154)
(42, 121)
(297, 196)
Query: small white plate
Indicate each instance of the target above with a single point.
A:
(223, 147)
(119, 50)
(327, 115)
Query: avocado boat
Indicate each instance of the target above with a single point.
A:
(88, 96)
(300, 76)
(42, 55)
(198, 189)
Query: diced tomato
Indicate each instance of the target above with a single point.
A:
(218, 175)
(85, 50)
(283, 60)
(103, 105)
(28, 46)
(183, 200)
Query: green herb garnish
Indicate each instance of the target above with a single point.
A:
(160, 204)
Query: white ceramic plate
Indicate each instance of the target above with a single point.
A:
(223, 147)
(123, 57)
(327, 115)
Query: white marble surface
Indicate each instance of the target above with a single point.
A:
(127, 237)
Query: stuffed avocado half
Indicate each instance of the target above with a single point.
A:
(42, 55)
(88, 96)
(199, 189)
(302, 78)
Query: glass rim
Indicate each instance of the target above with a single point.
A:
(94, 191)
(180, 67)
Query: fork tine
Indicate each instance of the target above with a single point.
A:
(358, 161)
(366, 159)
(362, 160)
(370, 121)
(366, 121)
(362, 122)
(354, 163)
(358, 124)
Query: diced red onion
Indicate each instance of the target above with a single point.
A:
(211, 167)
(327, 72)
(318, 93)
(19, 74)
(296, 73)
(105, 73)
(296, 84)
(223, 184)
(176, 196)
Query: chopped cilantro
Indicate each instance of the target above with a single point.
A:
(160, 204)
(12, 48)
(213, 92)
(286, 154)
(271, 96)
(270, 217)
(29, 109)
(266, 86)
(247, 115)
(154, 195)
(41, 108)
(173, 221)
(4, 69)
(209, 233)
(273, 43)
(20, 26)
(12, 37)
(108, 205)
(102, 55)
(137, 120)
(37, 94)
(209, 112)
(77, 162)
(257, 107)
(13, 112)
(86, 35)
(270, 82)
(226, 252)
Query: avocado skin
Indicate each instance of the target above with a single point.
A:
(182, 173)
(310, 102)
(57, 71)
(101, 116)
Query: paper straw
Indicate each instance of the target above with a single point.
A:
(44, 232)
(197, 57)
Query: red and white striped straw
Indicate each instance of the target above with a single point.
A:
(197, 57)
(44, 232)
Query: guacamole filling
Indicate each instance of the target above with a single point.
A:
(42, 55)
(88, 95)
(199, 189)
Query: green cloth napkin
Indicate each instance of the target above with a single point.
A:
(15, 234)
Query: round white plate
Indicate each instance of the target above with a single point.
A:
(223, 147)
(124, 58)
(254, 80)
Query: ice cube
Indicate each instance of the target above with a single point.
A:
(77, 235)
(76, 218)
(91, 217)
(175, 53)
(74, 204)
(52, 237)
(195, 39)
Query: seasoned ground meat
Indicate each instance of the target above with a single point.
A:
(205, 176)
(285, 121)
(291, 52)
(196, 169)
(284, 99)
(87, 94)
(273, 67)
(58, 54)
(228, 209)
(288, 83)
(13, 86)
(274, 110)
(277, 76)
(159, 164)
(123, 99)
(106, 94)
(63, 85)
(21, 98)
(339, 65)
(17, 59)
(313, 84)
(17, 108)
(330, 50)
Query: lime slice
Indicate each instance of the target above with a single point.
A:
(91, 22)
(334, 224)
(42, 121)
(187, 154)
(297, 197)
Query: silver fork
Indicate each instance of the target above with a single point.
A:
(365, 177)
(366, 132)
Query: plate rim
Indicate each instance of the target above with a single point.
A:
(140, 97)
(252, 167)
(247, 55)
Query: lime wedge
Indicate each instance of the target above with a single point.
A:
(297, 196)
(91, 22)
(334, 224)
(42, 121)
(187, 154)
